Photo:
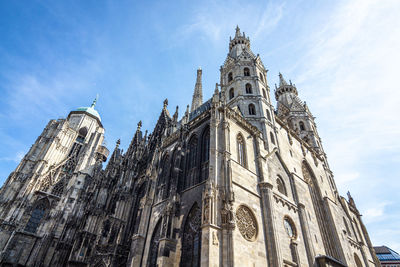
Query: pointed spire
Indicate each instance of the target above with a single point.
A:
(281, 80)
(165, 103)
(139, 126)
(117, 143)
(197, 100)
(237, 34)
(94, 101)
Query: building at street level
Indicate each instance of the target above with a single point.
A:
(234, 182)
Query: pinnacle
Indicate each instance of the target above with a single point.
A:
(282, 80)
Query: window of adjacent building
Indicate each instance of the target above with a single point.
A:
(230, 76)
(252, 109)
(246, 72)
(268, 115)
(281, 185)
(248, 89)
(231, 93)
(241, 150)
(271, 135)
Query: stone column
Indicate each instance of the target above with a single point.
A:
(305, 229)
(273, 255)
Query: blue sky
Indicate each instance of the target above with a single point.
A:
(343, 56)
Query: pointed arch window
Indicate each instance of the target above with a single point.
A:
(264, 93)
(163, 179)
(191, 241)
(271, 135)
(252, 109)
(230, 76)
(268, 115)
(357, 260)
(281, 185)
(261, 77)
(205, 153)
(231, 93)
(58, 188)
(154, 245)
(192, 162)
(347, 226)
(241, 147)
(301, 125)
(246, 72)
(37, 215)
(248, 89)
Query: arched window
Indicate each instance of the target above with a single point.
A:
(248, 89)
(58, 188)
(162, 191)
(37, 215)
(154, 244)
(264, 93)
(246, 72)
(252, 109)
(271, 135)
(301, 124)
(281, 185)
(241, 150)
(137, 214)
(357, 260)
(268, 115)
(319, 209)
(261, 77)
(290, 228)
(205, 153)
(230, 77)
(231, 93)
(347, 226)
(192, 163)
(191, 241)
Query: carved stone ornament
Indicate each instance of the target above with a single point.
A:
(246, 223)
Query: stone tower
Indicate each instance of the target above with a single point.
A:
(48, 183)
(234, 182)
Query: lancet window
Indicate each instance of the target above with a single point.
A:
(241, 147)
(248, 89)
(230, 77)
(37, 215)
(252, 109)
(246, 72)
(191, 241)
(205, 153)
(231, 93)
(271, 135)
(154, 245)
(281, 185)
(192, 162)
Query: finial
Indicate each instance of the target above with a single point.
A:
(139, 125)
(281, 80)
(118, 143)
(94, 101)
(165, 103)
(237, 31)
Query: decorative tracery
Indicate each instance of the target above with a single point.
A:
(191, 241)
(246, 223)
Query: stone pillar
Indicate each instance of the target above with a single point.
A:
(306, 234)
(273, 255)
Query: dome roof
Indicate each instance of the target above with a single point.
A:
(90, 110)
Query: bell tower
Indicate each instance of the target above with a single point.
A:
(245, 88)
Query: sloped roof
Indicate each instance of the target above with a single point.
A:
(386, 254)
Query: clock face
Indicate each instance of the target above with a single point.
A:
(289, 228)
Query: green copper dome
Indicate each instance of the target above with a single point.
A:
(90, 110)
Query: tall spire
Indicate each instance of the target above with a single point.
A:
(198, 92)
(237, 31)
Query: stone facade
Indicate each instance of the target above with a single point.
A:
(233, 183)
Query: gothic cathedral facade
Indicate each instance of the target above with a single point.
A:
(234, 182)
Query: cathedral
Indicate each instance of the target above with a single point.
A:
(234, 182)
